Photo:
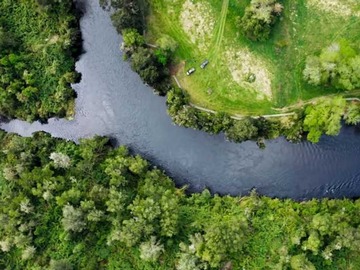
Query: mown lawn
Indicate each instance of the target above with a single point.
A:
(301, 31)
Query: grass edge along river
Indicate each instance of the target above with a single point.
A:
(209, 29)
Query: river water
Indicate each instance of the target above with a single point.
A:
(113, 101)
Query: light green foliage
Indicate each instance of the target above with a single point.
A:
(28, 253)
(132, 39)
(38, 40)
(167, 43)
(90, 221)
(73, 219)
(151, 250)
(300, 262)
(301, 30)
(312, 243)
(337, 65)
(154, 209)
(60, 265)
(324, 117)
(352, 115)
(222, 239)
(189, 255)
(60, 160)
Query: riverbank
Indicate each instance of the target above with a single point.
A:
(100, 207)
(155, 63)
(39, 45)
(211, 30)
(113, 101)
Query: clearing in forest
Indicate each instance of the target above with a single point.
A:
(244, 76)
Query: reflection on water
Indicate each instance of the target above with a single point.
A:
(113, 101)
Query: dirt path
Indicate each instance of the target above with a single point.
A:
(282, 114)
(240, 116)
(219, 36)
(301, 103)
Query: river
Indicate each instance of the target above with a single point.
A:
(113, 101)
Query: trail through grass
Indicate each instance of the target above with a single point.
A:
(216, 47)
(277, 63)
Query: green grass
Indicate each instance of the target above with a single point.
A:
(300, 32)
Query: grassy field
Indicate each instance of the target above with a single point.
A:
(209, 29)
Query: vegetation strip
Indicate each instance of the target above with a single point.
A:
(90, 206)
(180, 48)
(39, 43)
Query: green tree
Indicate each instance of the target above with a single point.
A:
(167, 43)
(352, 116)
(73, 219)
(242, 130)
(324, 117)
(337, 65)
(151, 250)
(259, 18)
(144, 62)
(132, 39)
(300, 262)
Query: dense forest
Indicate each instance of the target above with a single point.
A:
(92, 206)
(37, 58)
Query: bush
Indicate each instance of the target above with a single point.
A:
(337, 65)
(259, 18)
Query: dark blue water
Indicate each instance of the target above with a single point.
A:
(113, 101)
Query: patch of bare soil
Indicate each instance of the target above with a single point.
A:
(250, 72)
(338, 7)
(198, 22)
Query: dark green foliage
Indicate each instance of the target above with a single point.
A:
(242, 130)
(37, 58)
(127, 18)
(259, 18)
(145, 63)
(107, 209)
(128, 14)
(235, 130)
(151, 65)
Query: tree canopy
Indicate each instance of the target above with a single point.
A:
(259, 18)
(337, 65)
(90, 206)
(38, 47)
(324, 117)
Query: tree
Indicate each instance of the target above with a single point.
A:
(73, 219)
(167, 43)
(312, 71)
(128, 17)
(132, 39)
(151, 250)
(60, 265)
(242, 130)
(300, 262)
(337, 65)
(324, 117)
(60, 160)
(259, 17)
(145, 64)
(222, 238)
(352, 115)
(28, 253)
